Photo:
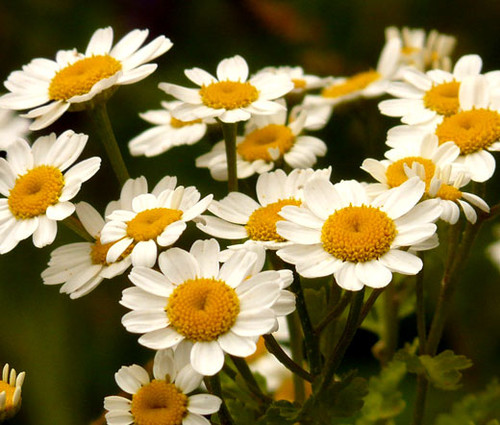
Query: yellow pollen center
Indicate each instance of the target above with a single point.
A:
(443, 98)
(358, 234)
(228, 94)
(409, 50)
(256, 144)
(35, 191)
(449, 193)
(159, 402)
(78, 78)
(150, 224)
(351, 85)
(175, 123)
(299, 83)
(261, 225)
(471, 131)
(99, 251)
(9, 394)
(396, 175)
(202, 309)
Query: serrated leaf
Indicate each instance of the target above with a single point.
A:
(443, 369)
(280, 412)
(240, 412)
(408, 356)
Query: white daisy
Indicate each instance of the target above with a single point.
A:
(365, 84)
(10, 392)
(153, 219)
(11, 127)
(194, 301)
(37, 192)
(163, 399)
(301, 82)
(75, 78)
(267, 140)
(167, 132)
(238, 216)
(229, 97)
(425, 97)
(341, 231)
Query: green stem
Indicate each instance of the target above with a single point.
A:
(274, 348)
(229, 131)
(249, 379)
(390, 324)
(102, 126)
(421, 326)
(352, 324)
(369, 304)
(76, 226)
(335, 313)
(213, 385)
(419, 410)
(296, 340)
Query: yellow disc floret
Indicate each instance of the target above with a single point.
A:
(443, 98)
(150, 224)
(261, 225)
(396, 175)
(358, 234)
(202, 309)
(159, 402)
(256, 144)
(471, 131)
(99, 251)
(35, 191)
(228, 94)
(175, 123)
(449, 193)
(351, 84)
(299, 83)
(78, 78)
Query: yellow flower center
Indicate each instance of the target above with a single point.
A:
(449, 193)
(202, 309)
(175, 123)
(9, 394)
(99, 251)
(358, 234)
(409, 50)
(396, 175)
(299, 83)
(443, 98)
(228, 94)
(150, 224)
(159, 402)
(352, 84)
(78, 78)
(256, 144)
(261, 225)
(471, 131)
(35, 191)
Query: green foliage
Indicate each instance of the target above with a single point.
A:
(316, 303)
(281, 412)
(475, 409)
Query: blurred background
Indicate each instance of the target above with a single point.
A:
(70, 350)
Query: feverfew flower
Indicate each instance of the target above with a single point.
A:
(76, 78)
(194, 302)
(153, 219)
(341, 231)
(301, 82)
(267, 140)
(229, 97)
(37, 192)
(163, 399)
(167, 132)
(238, 216)
(10, 393)
(11, 128)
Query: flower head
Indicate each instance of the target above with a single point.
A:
(229, 97)
(73, 79)
(10, 393)
(301, 82)
(38, 188)
(164, 399)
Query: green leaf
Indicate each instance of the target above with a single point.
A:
(443, 369)
(280, 412)
(475, 409)
(408, 356)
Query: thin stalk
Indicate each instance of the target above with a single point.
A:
(102, 126)
(296, 340)
(421, 327)
(249, 379)
(229, 131)
(335, 313)
(275, 349)
(76, 226)
(352, 324)
(420, 400)
(213, 385)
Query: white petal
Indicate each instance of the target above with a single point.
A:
(233, 69)
(151, 281)
(373, 274)
(206, 254)
(401, 262)
(207, 358)
(204, 404)
(346, 277)
(237, 345)
(144, 254)
(160, 339)
(178, 265)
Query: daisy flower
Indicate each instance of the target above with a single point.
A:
(229, 97)
(11, 128)
(195, 302)
(153, 219)
(427, 96)
(166, 133)
(239, 216)
(73, 79)
(163, 399)
(10, 393)
(365, 84)
(267, 140)
(340, 230)
(301, 81)
(37, 192)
